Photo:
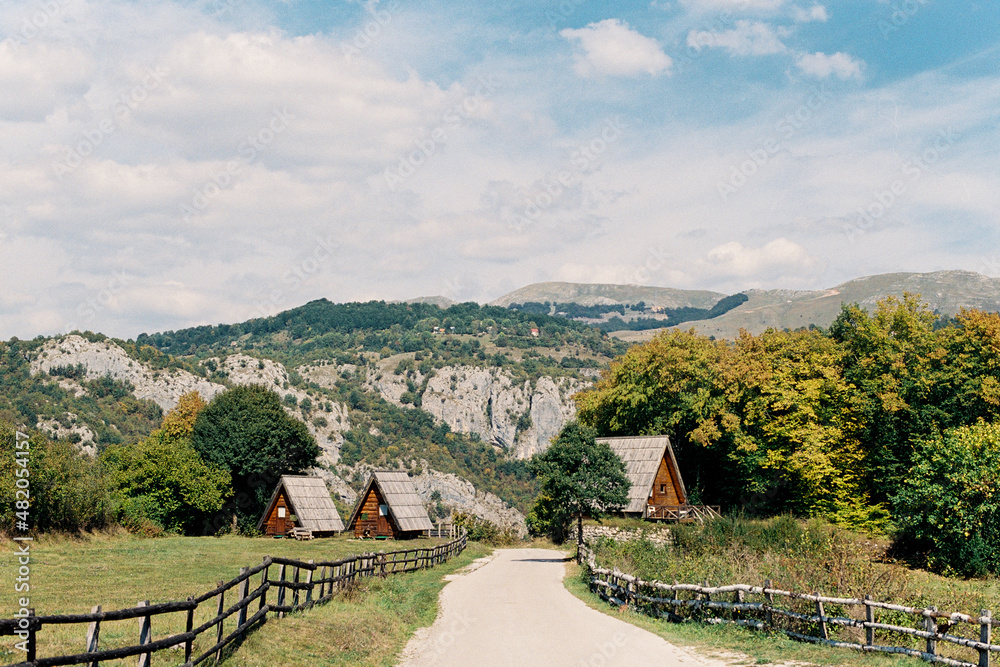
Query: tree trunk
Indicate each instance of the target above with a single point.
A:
(579, 530)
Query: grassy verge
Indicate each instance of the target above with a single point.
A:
(731, 644)
(116, 570)
(368, 625)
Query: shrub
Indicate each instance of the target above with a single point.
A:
(948, 509)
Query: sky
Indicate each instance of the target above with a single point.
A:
(171, 164)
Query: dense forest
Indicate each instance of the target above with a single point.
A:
(884, 422)
(377, 326)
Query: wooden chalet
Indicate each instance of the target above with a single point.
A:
(657, 486)
(301, 504)
(389, 507)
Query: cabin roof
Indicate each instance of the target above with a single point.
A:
(310, 501)
(397, 490)
(642, 455)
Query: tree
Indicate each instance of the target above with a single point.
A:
(246, 431)
(579, 476)
(948, 508)
(163, 480)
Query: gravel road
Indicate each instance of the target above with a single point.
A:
(514, 610)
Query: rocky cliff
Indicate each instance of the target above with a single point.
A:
(520, 417)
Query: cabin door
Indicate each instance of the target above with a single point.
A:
(383, 520)
(281, 522)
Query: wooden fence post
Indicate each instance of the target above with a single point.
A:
(244, 591)
(263, 582)
(823, 632)
(309, 581)
(188, 626)
(295, 591)
(930, 625)
(94, 635)
(381, 564)
(768, 616)
(984, 637)
(218, 630)
(32, 638)
(281, 590)
(869, 619)
(145, 635)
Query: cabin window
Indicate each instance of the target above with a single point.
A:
(383, 510)
(281, 512)
(663, 488)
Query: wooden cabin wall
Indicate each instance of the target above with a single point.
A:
(670, 495)
(370, 507)
(272, 519)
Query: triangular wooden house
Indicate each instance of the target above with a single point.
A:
(657, 486)
(301, 501)
(389, 507)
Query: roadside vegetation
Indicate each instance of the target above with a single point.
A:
(886, 423)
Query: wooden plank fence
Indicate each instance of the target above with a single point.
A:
(842, 622)
(298, 585)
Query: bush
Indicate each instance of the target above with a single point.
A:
(67, 490)
(481, 530)
(948, 510)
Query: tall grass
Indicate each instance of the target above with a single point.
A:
(804, 556)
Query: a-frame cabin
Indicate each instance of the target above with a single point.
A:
(389, 507)
(300, 501)
(657, 490)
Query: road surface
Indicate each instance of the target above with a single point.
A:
(514, 610)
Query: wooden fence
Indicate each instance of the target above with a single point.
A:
(843, 622)
(285, 585)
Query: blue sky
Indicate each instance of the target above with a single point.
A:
(167, 164)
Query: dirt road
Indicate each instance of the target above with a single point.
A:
(514, 610)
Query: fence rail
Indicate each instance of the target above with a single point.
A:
(682, 513)
(297, 585)
(816, 620)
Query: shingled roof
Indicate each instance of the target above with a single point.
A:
(642, 456)
(405, 506)
(309, 499)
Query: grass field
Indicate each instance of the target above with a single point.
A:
(71, 575)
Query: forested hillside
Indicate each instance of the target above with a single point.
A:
(355, 373)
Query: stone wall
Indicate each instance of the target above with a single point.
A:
(658, 536)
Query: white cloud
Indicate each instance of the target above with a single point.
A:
(814, 13)
(823, 66)
(778, 256)
(611, 47)
(747, 38)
